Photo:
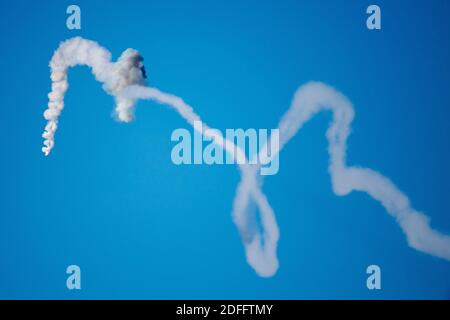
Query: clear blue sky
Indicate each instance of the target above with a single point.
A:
(110, 200)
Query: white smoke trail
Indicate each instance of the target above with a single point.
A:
(314, 97)
(309, 100)
(260, 245)
(114, 76)
(261, 257)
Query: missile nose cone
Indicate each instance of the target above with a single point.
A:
(144, 73)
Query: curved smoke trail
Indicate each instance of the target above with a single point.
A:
(124, 81)
(114, 76)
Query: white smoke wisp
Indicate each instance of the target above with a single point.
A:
(114, 76)
(260, 242)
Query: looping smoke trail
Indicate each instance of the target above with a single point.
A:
(123, 80)
(260, 250)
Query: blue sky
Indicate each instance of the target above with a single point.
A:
(110, 200)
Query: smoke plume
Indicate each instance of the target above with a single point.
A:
(114, 76)
(123, 80)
